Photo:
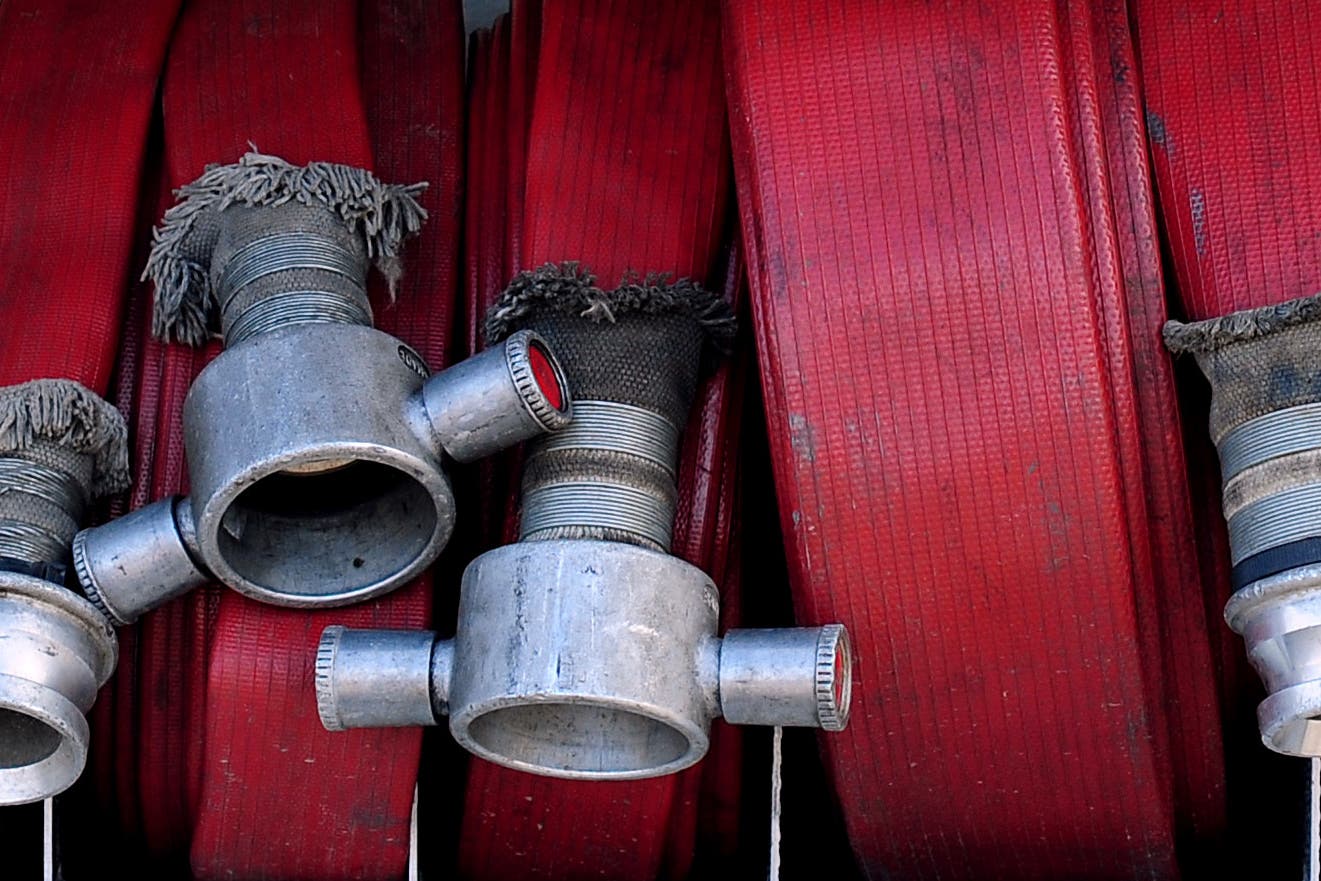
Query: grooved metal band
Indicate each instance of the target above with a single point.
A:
(295, 307)
(282, 252)
(48, 484)
(520, 370)
(24, 541)
(322, 678)
(828, 711)
(598, 505)
(1269, 436)
(1275, 520)
(83, 572)
(618, 428)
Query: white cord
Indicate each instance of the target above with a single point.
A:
(1314, 823)
(48, 839)
(776, 760)
(412, 841)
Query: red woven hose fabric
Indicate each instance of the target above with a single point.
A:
(957, 301)
(233, 766)
(1231, 98)
(77, 89)
(77, 82)
(625, 169)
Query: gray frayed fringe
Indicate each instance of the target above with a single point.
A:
(384, 214)
(1236, 327)
(64, 412)
(568, 288)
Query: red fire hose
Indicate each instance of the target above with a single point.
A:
(1230, 99)
(76, 91)
(217, 714)
(957, 302)
(953, 254)
(597, 135)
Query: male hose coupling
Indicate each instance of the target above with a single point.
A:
(1265, 376)
(586, 650)
(315, 443)
(61, 447)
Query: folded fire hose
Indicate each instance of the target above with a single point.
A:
(516, 823)
(957, 305)
(72, 151)
(1232, 135)
(965, 234)
(602, 661)
(590, 586)
(219, 754)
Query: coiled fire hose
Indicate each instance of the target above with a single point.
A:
(76, 90)
(957, 306)
(1232, 117)
(223, 751)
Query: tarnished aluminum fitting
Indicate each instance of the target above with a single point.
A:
(139, 561)
(585, 659)
(1279, 619)
(56, 651)
(315, 443)
(60, 446)
(1265, 421)
(585, 650)
(322, 482)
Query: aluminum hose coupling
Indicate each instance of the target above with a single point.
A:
(1265, 421)
(61, 447)
(586, 650)
(315, 443)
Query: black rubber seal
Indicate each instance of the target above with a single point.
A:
(1273, 561)
(55, 573)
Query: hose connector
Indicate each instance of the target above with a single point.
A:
(586, 650)
(139, 561)
(586, 660)
(60, 447)
(315, 443)
(1265, 421)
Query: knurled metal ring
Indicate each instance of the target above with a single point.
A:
(529, 390)
(834, 677)
(88, 584)
(326, 650)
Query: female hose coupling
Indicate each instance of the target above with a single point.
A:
(61, 447)
(586, 650)
(315, 443)
(1265, 420)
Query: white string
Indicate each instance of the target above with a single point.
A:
(1314, 823)
(48, 839)
(776, 760)
(412, 841)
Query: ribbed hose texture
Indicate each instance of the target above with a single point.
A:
(1232, 112)
(77, 89)
(77, 82)
(597, 135)
(219, 755)
(957, 302)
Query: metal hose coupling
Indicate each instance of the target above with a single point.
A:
(586, 650)
(315, 443)
(1265, 420)
(61, 446)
